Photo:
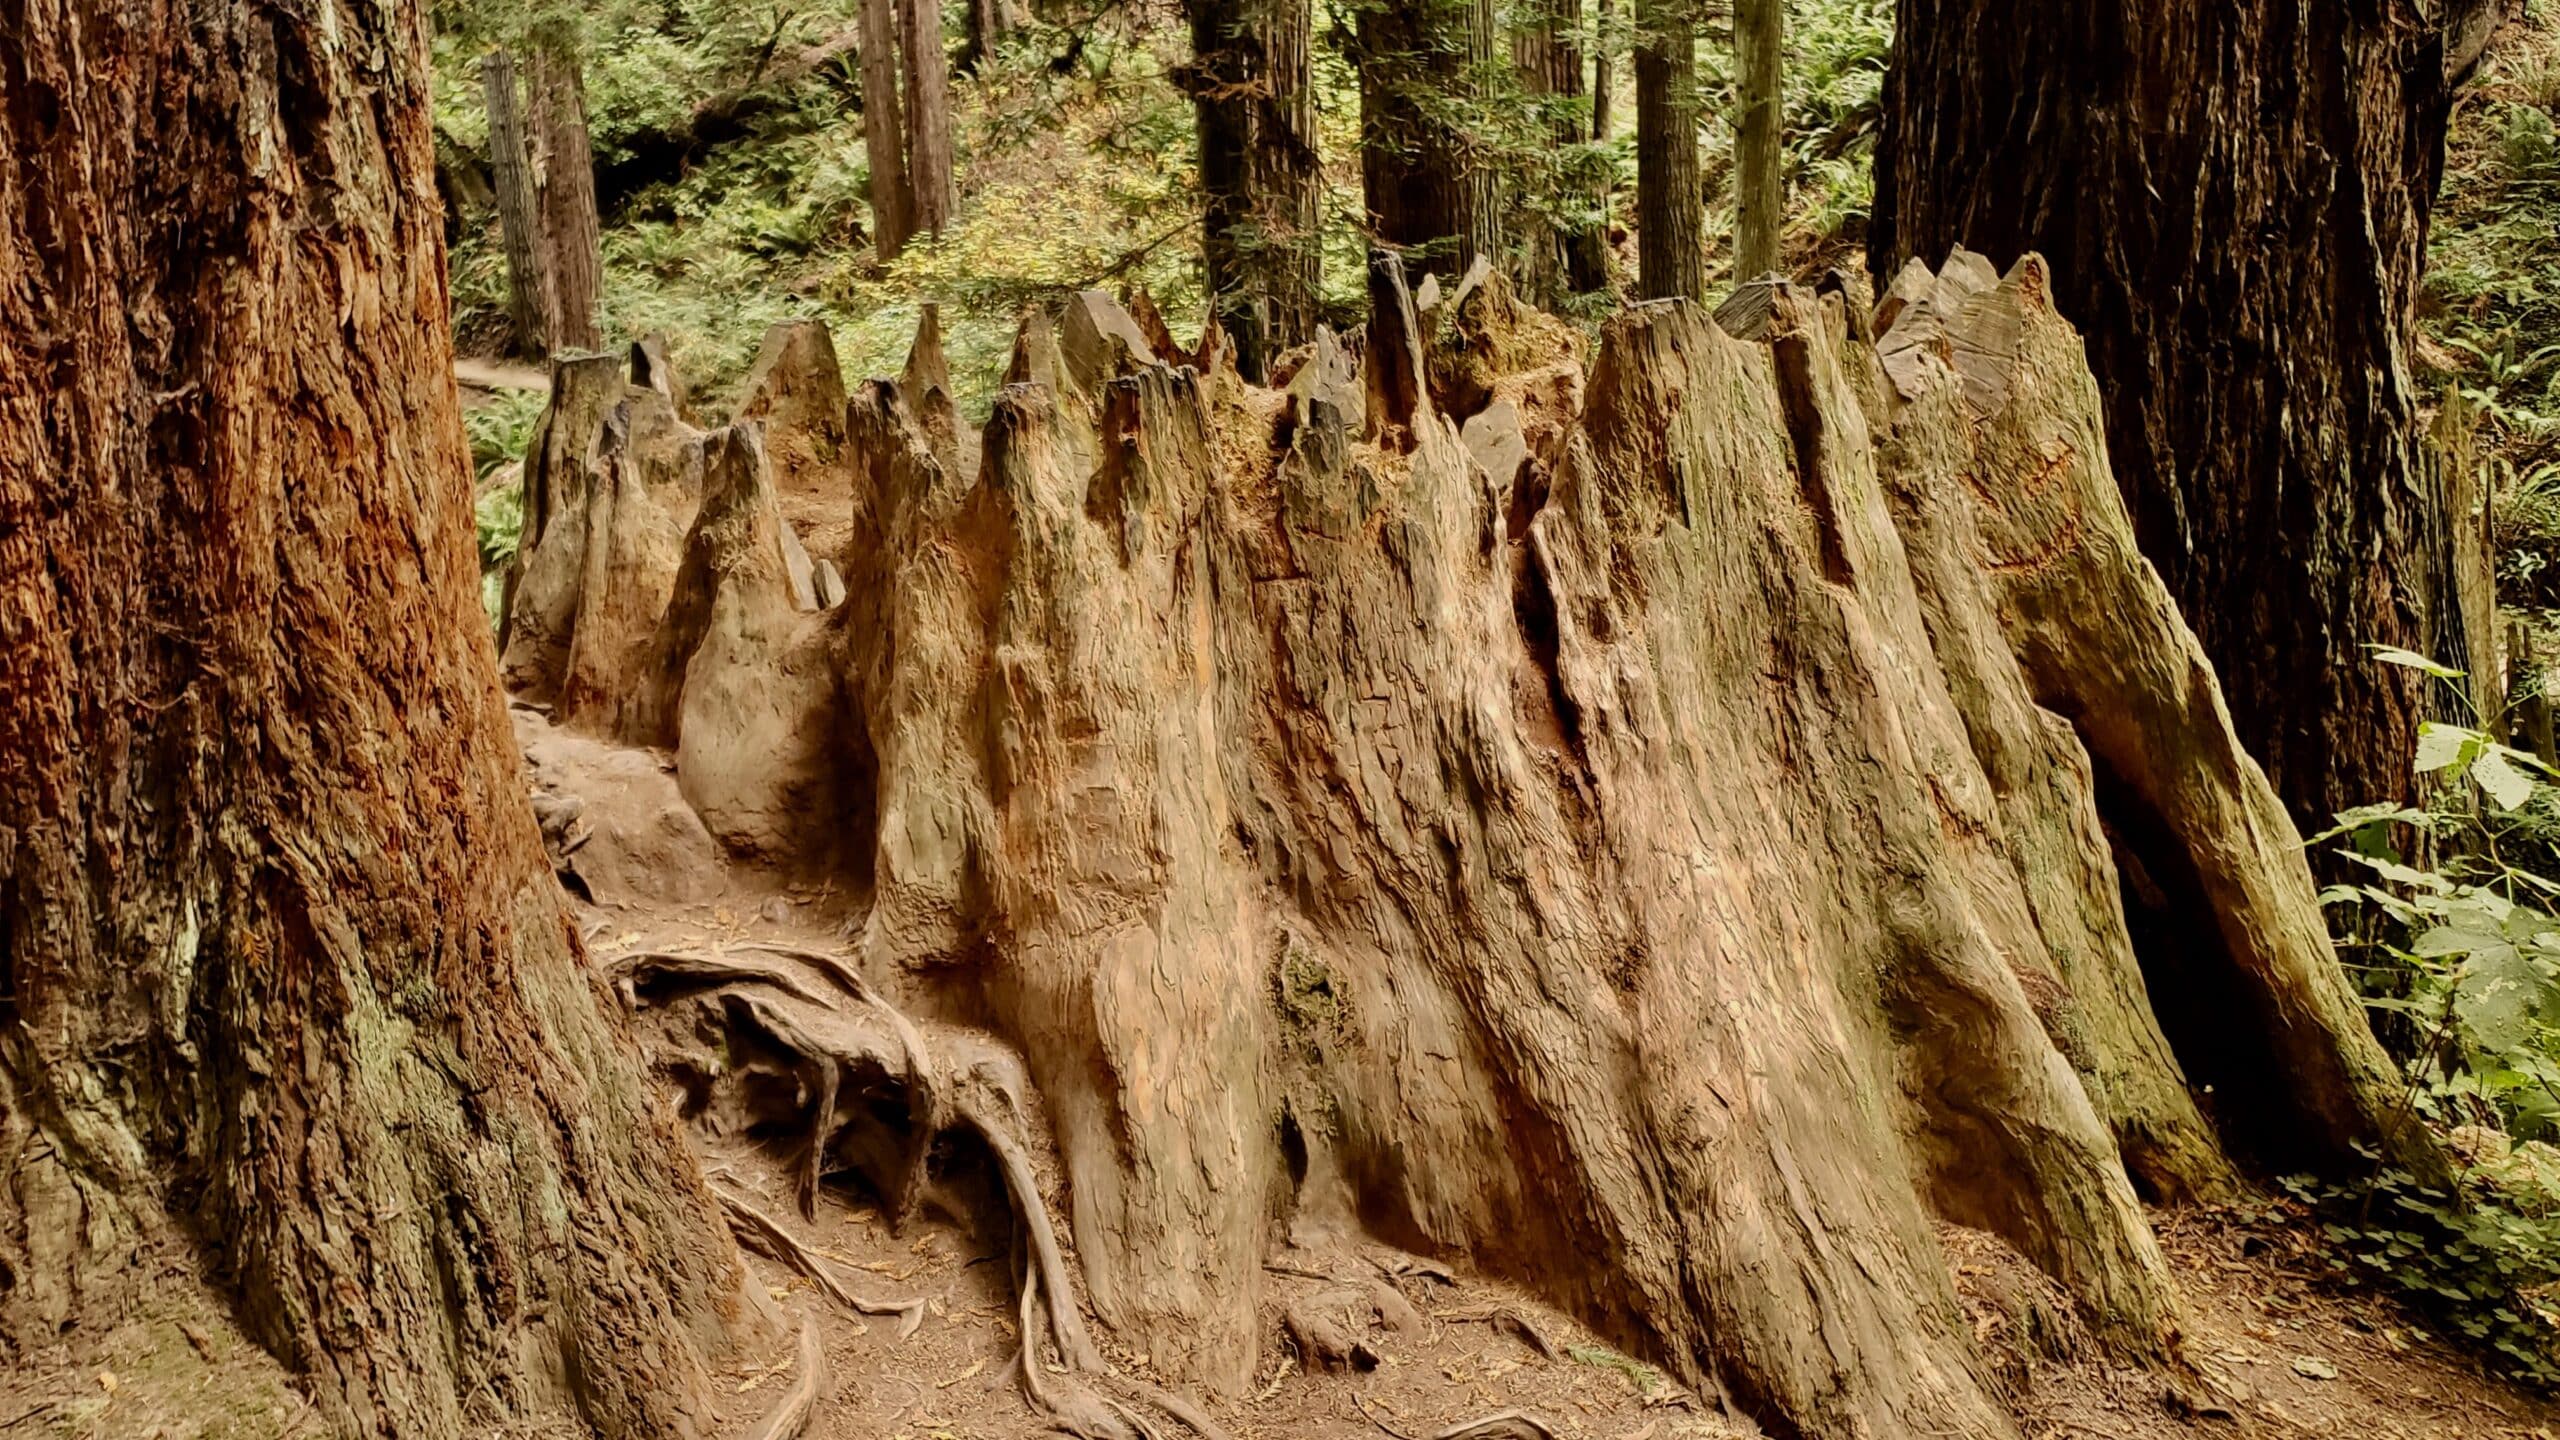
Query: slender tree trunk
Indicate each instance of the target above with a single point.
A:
(1760, 199)
(573, 237)
(1671, 222)
(1423, 175)
(532, 305)
(1604, 77)
(287, 989)
(884, 131)
(989, 22)
(1261, 177)
(1572, 256)
(2234, 206)
(928, 114)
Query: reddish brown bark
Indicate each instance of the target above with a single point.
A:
(884, 131)
(571, 232)
(928, 115)
(1261, 180)
(532, 306)
(1671, 221)
(282, 964)
(1422, 174)
(2234, 202)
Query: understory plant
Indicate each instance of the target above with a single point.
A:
(2449, 929)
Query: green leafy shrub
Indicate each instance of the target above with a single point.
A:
(2455, 946)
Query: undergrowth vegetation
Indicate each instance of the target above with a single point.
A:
(2492, 305)
(2452, 935)
(1076, 170)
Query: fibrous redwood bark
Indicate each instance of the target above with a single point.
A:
(286, 989)
(532, 309)
(1570, 258)
(1671, 220)
(884, 132)
(1261, 179)
(1759, 179)
(2234, 203)
(1656, 838)
(571, 230)
(1424, 175)
(930, 181)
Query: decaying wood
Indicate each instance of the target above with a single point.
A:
(653, 154)
(1673, 817)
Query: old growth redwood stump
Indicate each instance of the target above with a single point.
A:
(1658, 837)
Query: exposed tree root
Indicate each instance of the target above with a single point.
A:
(975, 1101)
(1504, 1318)
(763, 1234)
(646, 967)
(1501, 1425)
(790, 1416)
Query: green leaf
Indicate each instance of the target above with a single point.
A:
(2505, 785)
(2412, 660)
(2497, 996)
(2442, 746)
(2452, 940)
(2394, 871)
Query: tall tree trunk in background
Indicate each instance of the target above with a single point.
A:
(928, 115)
(2234, 204)
(1604, 71)
(1261, 177)
(1759, 28)
(1671, 221)
(989, 22)
(1559, 259)
(570, 230)
(1422, 175)
(287, 992)
(884, 131)
(532, 308)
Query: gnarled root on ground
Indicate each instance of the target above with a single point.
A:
(767, 1003)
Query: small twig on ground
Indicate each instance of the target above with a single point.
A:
(1363, 1407)
(1504, 1318)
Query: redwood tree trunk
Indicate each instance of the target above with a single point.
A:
(1422, 175)
(1671, 222)
(2234, 201)
(286, 988)
(1567, 256)
(928, 115)
(1261, 178)
(532, 305)
(570, 230)
(1604, 76)
(1759, 28)
(884, 131)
